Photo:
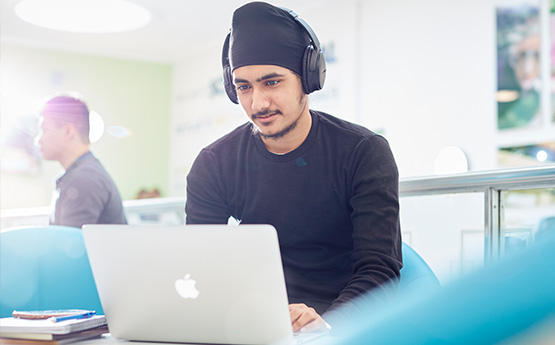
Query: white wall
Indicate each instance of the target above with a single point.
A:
(201, 113)
(429, 79)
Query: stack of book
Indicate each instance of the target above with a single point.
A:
(15, 331)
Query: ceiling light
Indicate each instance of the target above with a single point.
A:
(84, 16)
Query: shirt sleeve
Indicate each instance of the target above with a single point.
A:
(206, 192)
(375, 217)
(81, 201)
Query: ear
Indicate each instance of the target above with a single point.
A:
(69, 132)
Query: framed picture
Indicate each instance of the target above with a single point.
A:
(519, 80)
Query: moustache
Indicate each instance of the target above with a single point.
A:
(264, 113)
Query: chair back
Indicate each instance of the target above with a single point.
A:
(45, 268)
(416, 275)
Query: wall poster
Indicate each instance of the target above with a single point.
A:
(519, 79)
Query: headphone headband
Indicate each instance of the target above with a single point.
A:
(305, 25)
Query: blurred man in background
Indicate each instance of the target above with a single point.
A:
(85, 193)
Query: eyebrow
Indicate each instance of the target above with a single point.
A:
(266, 77)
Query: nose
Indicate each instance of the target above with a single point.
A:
(260, 100)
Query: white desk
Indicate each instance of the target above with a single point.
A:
(107, 339)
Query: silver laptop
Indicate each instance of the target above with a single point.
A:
(214, 284)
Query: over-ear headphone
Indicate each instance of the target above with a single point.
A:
(313, 64)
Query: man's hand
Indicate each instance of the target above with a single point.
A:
(306, 319)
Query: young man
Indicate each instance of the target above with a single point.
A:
(86, 194)
(328, 186)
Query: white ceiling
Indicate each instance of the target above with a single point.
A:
(178, 28)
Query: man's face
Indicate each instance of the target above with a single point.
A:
(272, 98)
(50, 139)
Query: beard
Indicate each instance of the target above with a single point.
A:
(278, 135)
(284, 131)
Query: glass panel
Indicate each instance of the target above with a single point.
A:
(528, 215)
(446, 230)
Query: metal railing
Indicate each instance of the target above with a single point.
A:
(506, 179)
(137, 211)
(491, 184)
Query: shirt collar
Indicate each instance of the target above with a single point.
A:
(86, 156)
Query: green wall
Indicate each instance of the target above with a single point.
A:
(132, 94)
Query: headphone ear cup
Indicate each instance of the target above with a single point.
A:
(320, 70)
(228, 76)
(314, 70)
(305, 78)
(228, 85)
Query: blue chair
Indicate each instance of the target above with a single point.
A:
(416, 280)
(44, 268)
(500, 302)
(416, 275)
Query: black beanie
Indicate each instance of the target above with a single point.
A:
(262, 34)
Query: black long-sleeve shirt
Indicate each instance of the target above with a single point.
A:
(333, 201)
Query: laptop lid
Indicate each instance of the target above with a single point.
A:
(195, 283)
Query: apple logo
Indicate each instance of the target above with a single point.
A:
(186, 287)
